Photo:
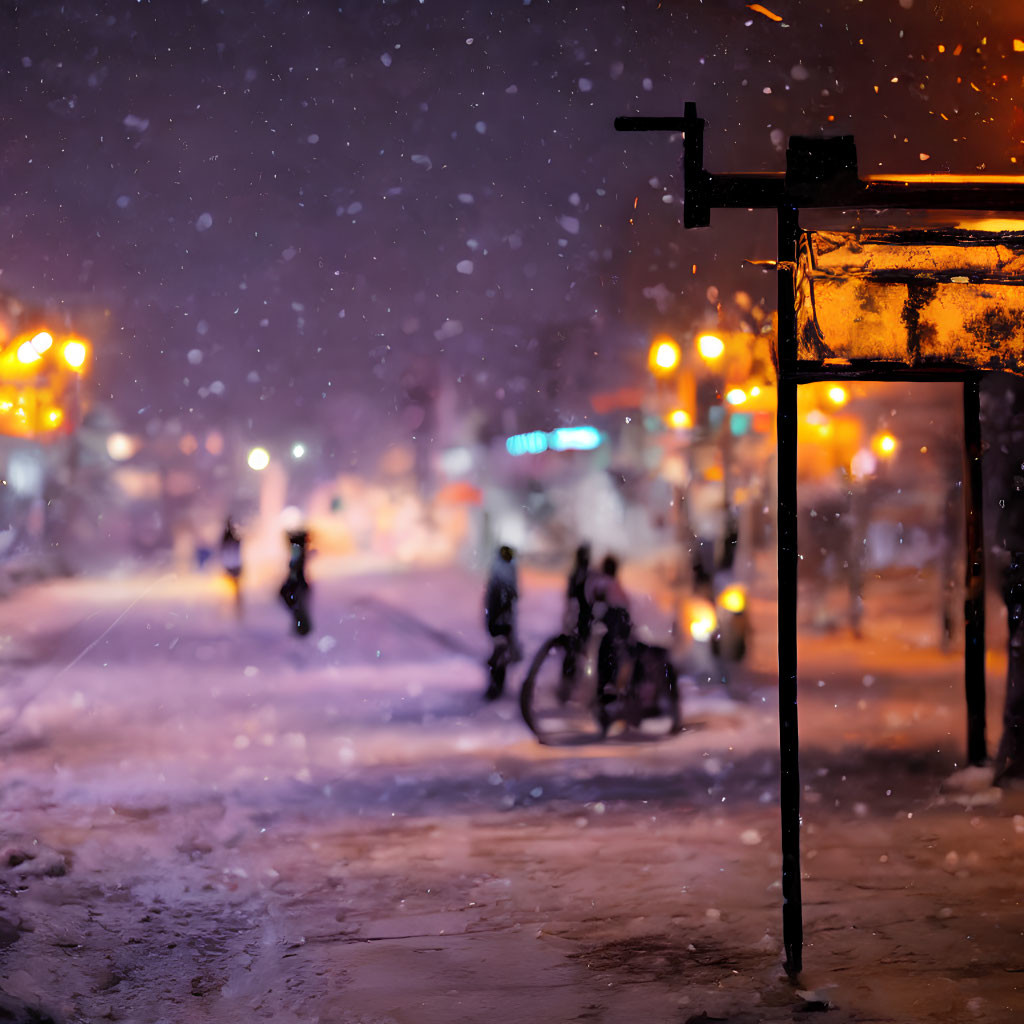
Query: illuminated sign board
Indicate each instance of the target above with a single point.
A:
(561, 439)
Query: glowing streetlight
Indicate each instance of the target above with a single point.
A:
(680, 419)
(838, 395)
(733, 598)
(736, 396)
(703, 620)
(74, 353)
(663, 356)
(710, 346)
(298, 450)
(884, 445)
(121, 446)
(31, 351)
(259, 459)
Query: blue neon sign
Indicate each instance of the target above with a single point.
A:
(561, 439)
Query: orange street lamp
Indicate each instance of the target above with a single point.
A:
(31, 351)
(75, 353)
(680, 419)
(838, 395)
(884, 445)
(663, 356)
(710, 347)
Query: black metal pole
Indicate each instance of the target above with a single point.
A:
(974, 591)
(789, 739)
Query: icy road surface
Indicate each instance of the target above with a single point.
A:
(211, 820)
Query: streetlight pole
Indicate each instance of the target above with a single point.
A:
(822, 173)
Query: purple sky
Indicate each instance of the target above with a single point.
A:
(286, 207)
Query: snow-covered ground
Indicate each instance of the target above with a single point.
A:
(212, 820)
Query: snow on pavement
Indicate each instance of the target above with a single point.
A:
(211, 820)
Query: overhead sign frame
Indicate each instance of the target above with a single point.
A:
(821, 173)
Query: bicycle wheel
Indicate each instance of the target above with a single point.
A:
(557, 698)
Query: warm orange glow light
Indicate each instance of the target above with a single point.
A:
(710, 346)
(703, 620)
(664, 355)
(885, 444)
(31, 351)
(733, 598)
(758, 9)
(838, 395)
(74, 353)
(947, 179)
(680, 419)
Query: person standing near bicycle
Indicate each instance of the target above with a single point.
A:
(610, 605)
(579, 611)
(500, 599)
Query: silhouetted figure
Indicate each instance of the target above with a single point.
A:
(231, 561)
(730, 542)
(579, 613)
(702, 566)
(500, 619)
(295, 591)
(611, 606)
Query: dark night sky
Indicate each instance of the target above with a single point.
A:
(314, 198)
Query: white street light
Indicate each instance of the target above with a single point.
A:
(259, 459)
(121, 446)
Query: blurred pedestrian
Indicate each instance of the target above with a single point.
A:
(500, 599)
(611, 606)
(579, 614)
(231, 561)
(296, 591)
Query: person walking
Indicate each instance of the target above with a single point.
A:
(296, 591)
(500, 597)
(231, 561)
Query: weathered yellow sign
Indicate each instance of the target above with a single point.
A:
(923, 299)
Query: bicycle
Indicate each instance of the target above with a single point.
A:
(561, 700)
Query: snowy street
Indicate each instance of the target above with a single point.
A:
(211, 820)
